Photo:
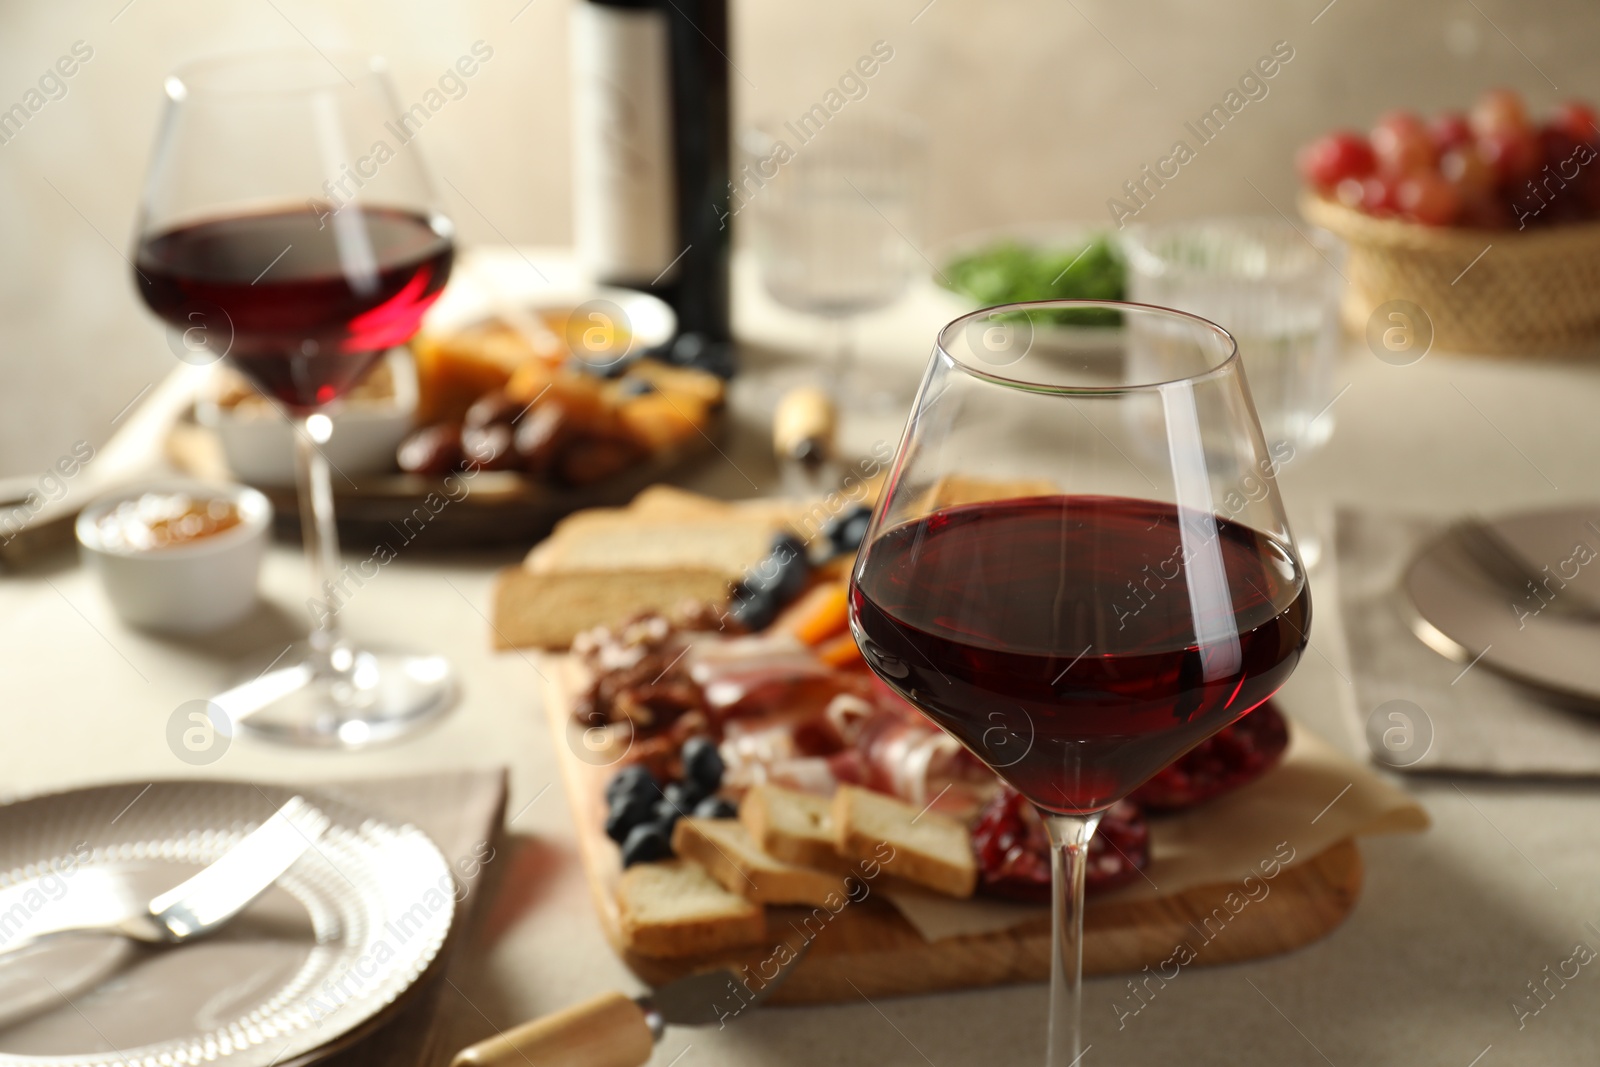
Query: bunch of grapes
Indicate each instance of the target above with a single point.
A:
(1492, 168)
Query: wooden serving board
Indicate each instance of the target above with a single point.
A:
(870, 948)
(500, 508)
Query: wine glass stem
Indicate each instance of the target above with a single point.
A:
(319, 532)
(844, 356)
(1069, 852)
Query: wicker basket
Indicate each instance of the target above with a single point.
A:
(1534, 291)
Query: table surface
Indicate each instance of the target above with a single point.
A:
(1451, 927)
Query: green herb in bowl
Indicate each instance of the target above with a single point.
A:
(1009, 271)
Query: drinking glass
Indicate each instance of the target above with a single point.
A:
(1274, 289)
(1075, 614)
(834, 212)
(288, 226)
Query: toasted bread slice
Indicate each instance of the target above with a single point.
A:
(547, 610)
(790, 826)
(726, 849)
(676, 909)
(669, 501)
(929, 848)
(729, 545)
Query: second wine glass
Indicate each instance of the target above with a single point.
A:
(288, 226)
(1076, 614)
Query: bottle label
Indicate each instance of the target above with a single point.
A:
(623, 183)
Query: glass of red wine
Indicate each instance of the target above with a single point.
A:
(1080, 566)
(288, 226)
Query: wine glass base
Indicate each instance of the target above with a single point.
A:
(347, 698)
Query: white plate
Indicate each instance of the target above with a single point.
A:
(485, 280)
(347, 930)
(1460, 612)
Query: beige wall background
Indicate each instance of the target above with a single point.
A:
(1039, 110)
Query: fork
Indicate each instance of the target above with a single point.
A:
(98, 901)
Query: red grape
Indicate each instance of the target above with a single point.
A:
(1577, 120)
(1334, 157)
(1499, 111)
(1468, 171)
(1350, 192)
(1490, 168)
(1560, 181)
(1428, 198)
(1490, 214)
(1402, 143)
(1558, 149)
(1377, 196)
(1513, 154)
(1450, 130)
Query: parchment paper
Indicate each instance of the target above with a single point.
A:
(1314, 799)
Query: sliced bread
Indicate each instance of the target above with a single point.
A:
(790, 826)
(676, 909)
(726, 849)
(548, 610)
(730, 545)
(928, 848)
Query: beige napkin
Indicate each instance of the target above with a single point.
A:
(1314, 799)
(461, 811)
(1480, 722)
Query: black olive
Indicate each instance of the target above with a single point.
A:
(667, 812)
(847, 530)
(783, 572)
(634, 778)
(683, 796)
(702, 764)
(715, 808)
(628, 811)
(752, 608)
(647, 842)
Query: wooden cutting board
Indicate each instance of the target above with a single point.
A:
(869, 948)
(502, 507)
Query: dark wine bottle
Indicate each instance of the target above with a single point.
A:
(650, 152)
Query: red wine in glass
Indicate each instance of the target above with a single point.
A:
(310, 298)
(1056, 637)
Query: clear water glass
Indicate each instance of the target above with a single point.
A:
(1275, 288)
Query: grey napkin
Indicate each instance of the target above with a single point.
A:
(1422, 712)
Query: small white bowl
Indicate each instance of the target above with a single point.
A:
(258, 442)
(202, 585)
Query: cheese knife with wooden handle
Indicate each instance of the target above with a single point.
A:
(613, 1030)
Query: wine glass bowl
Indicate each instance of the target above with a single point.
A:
(283, 215)
(1080, 566)
(288, 225)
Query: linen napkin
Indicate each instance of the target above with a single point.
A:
(1451, 720)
